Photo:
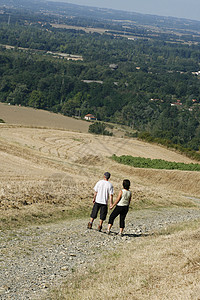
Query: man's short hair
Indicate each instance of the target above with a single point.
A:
(107, 175)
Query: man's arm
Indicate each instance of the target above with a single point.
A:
(94, 198)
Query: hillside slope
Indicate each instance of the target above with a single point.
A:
(37, 117)
(58, 168)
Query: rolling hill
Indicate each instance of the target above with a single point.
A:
(50, 161)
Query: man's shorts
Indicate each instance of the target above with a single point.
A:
(103, 211)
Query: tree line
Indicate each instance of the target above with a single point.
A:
(148, 78)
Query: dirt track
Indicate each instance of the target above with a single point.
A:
(39, 258)
(51, 168)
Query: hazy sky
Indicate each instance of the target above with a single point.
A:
(189, 9)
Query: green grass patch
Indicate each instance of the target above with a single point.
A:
(141, 162)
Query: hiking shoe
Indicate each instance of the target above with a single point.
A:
(89, 226)
(99, 228)
(120, 234)
(108, 232)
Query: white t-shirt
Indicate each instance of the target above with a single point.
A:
(103, 188)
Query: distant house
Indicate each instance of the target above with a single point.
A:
(93, 81)
(90, 117)
(196, 73)
(113, 66)
(177, 103)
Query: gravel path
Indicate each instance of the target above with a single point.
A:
(39, 257)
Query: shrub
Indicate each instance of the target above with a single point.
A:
(140, 162)
(167, 143)
(99, 128)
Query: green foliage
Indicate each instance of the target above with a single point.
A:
(169, 144)
(99, 128)
(77, 105)
(36, 99)
(147, 69)
(2, 121)
(140, 162)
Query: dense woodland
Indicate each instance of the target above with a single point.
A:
(146, 83)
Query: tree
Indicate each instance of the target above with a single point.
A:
(99, 128)
(36, 99)
(77, 103)
(19, 95)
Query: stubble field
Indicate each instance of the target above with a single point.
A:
(49, 164)
(48, 167)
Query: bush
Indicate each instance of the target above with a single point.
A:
(140, 162)
(167, 143)
(99, 128)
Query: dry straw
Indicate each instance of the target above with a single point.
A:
(160, 267)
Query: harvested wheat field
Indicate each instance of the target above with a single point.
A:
(48, 167)
(58, 165)
(37, 117)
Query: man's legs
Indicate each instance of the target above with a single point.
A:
(90, 223)
(100, 225)
(103, 214)
(93, 215)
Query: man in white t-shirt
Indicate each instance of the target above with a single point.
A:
(103, 190)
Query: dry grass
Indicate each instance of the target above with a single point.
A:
(37, 117)
(88, 30)
(160, 267)
(47, 173)
(57, 168)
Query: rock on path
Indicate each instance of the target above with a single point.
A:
(36, 258)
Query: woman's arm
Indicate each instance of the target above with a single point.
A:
(117, 200)
(130, 198)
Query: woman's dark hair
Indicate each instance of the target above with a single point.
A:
(126, 184)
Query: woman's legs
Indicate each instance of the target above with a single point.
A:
(112, 217)
(109, 227)
(123, 214)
